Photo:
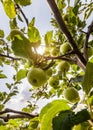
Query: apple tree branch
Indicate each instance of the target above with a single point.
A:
(17, 114)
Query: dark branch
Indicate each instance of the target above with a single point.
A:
(65, 30)
(66, 57)
(19, 8)
(18, 114)
(90, 29)
(10, 57)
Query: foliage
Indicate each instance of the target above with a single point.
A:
(66, 63)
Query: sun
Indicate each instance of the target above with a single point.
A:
(41, 49)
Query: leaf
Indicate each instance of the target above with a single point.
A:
(88, 78)
(48, 37)
(1, 107)
(33, 123)
(49, 112)
(23, 2)
(21, 45)
(9, 8)
(2, 76)
(21, 74)
(58, 121)
(34, 35)
(1, 33)
(13, 24)
(32, 22)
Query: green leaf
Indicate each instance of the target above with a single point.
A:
(2, 76)
(48, 37)
(1, 33)
(23, 2)
(1, 107)
(88, 78)
(34, 35)
(21, 74)
(21, 45)
(49, 112)
(32, 22)
(58, 121)
(33, 123)
(13, 23)
(9, 8)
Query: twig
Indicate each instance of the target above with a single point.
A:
(19, 114)
(65, 30)
(19, 8)
(90, 29)
(10, 57)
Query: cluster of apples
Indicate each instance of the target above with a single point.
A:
(37, 76)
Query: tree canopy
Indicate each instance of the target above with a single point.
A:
(64, 72)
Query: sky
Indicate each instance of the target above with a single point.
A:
(41, 11)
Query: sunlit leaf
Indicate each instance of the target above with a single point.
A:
(21, 46)
(33, 34)
(33, 124)
(88, 78)
(1, 106)
(49, 112)
(1, 33)
(9, 8)
(48, 37)
(23, 2)
(2, 76)
(21, 74)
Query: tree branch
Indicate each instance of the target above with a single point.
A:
(90, 29)
(19, 114)
(65, 30)
(19, 8)
(66, 58)
(10, 57)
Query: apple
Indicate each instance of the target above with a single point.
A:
(53, 82)
(64, 48)
(36, 77)
(71, 94)
(63, 66)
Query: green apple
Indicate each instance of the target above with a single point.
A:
(21, 45)
(64, 48)
(53, 82)
(63, 66)
(71, 94)
(36, 77)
